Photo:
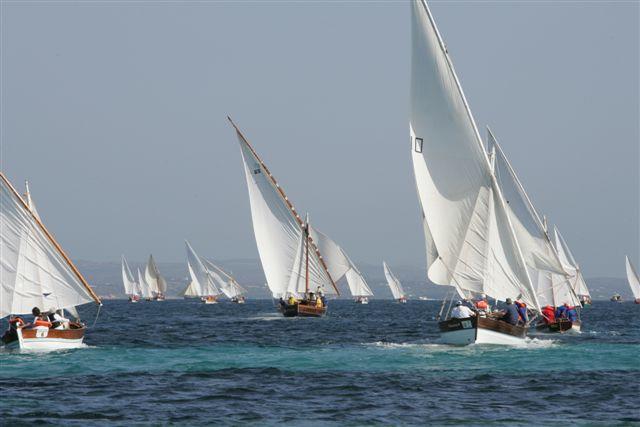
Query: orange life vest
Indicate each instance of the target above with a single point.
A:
(482, 305)
(17, 321)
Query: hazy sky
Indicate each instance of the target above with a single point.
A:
(116, 111)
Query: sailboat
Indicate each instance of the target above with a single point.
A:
(229, 287)
(481, 235)
(294, 267)
(131, 287)
(634, 280)
(36, 272)
(394, 284)
(202, 278)
(573, 268)
(157, 284)
(145, 289)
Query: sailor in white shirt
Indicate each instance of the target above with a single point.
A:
(461, 311)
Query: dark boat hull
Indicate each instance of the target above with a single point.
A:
(559, 326)
(302, 310)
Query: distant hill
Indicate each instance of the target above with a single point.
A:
(106, 279)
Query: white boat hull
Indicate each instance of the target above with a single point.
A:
(44, 341)
(483, 336)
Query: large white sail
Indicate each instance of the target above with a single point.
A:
(30, 203)
(470, 240)
(340, 265)
(570, 265)
(130, 285)
(145, 289)
(34, 271)
(286, 253)
(393, 282)
(157, 284)
(201, 277)
(632, 277)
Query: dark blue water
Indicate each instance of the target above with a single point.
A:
(183, 362)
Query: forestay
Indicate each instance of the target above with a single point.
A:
(340, 265)
(393, 282)
(469, 237)
(632, 277)
(280, 232)
(34, 270)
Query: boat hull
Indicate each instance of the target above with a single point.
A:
(302, 310)
(560, 326)
(481, 330)
(46, 339)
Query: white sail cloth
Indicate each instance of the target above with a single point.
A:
(339, 264)
(570, 265)
(279, 232)
(394, 284)
(469, 237)
(201, 277)
(131, 287)
(632, 277)
(145, 289)
(157, 284)
(33, 271)
(230, 287)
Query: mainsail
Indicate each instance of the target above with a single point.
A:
(632, 277)
(290, 259)
(393, 282)
(230, 287)
(201, 277)
(570, 265)
(131, 287)
(340, 265)
(471, 242)
(157, 284)
(34, 270)
(145, 289)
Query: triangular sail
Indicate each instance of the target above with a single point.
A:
(34, 270)
(227, 284)
(130, 285)
(632, 277)
(470, 240)
(200, 276)
(157, 283)
(339, 264)
(145, 289)
(393, 282)
(280, 232)
(30, 203)
(570, 265)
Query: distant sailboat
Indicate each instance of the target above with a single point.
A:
(634, 280)
(481, 237)
(230, 287)
(131, 287)
(394, 284)
(202, 279)
(145, 289)
(295, 270)
(35, 272)
(157, 284)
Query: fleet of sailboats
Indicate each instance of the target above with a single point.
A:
(483, 235)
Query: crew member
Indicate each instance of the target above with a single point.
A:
(461, 311)
(511, 313)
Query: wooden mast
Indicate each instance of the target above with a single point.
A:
(52, 240)
(287, 202)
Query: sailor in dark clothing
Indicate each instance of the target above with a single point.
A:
(571, 313)
(511, 313)
(561, 312)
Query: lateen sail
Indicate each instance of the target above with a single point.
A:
(634, 280)
(570, 265)
(470, 240)
(280, 232)
(130, 285)
(393, 282)
(230, 287)
(34, 270)
(200, 276)
(145, 289)
(157, 284)
(339, 264)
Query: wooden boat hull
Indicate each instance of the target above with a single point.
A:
(46, 339)
(560, 326)
(481, 330)
(637, 301)
(302, 310)
(362, 301)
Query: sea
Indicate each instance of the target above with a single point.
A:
(181, 362)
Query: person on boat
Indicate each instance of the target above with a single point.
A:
(42, 321)
(292, 300)
(522, 312)
(461, 311)
(510, 315)
(561, 312)
(482, 304)
(548, 314)
(571, 313)
(319, 303)
(58, 320)
(11, 334)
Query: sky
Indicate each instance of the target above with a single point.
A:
(116, 113)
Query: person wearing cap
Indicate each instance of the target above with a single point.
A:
(510, 313)
(461, 311)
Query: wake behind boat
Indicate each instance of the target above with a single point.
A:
(36, 276)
